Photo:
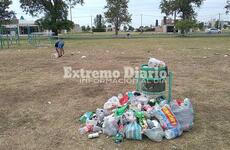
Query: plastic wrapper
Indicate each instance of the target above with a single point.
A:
(124, 100)
(184, 113)
(133, 131)
(129, 116)
(110, 126)
(155, 132)
(86, 116)
(168, 121)
(155, 63)
(112, 103)
(101, 113)
(120, 111)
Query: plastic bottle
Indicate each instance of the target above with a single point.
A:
(130, 94)
(120, 111)
(94, 135)
(172, 133)
(150, 124)
(118, 138)
(91, 122)
(86, 116)
(83, 130)
(187, 102)
(120, 96)
(86, 129)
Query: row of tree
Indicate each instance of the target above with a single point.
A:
(55, 12)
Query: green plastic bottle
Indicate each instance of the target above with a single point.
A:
(120, 111)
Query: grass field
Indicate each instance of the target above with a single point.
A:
(30, 79)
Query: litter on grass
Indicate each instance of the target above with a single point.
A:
(135, 115)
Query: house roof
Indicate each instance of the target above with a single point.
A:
(26, 23)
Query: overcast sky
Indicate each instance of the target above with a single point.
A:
(149, 8)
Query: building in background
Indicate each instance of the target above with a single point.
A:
(27, 26)
(22, 26)
(167, 25)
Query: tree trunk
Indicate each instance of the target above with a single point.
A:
(116, 26)
(55, 31)
(116, 31)
(54, 26)
(183, 32)
(174, 30)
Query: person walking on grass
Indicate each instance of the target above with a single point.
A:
(59, 45)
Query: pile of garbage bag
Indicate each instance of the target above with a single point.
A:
(135, 115)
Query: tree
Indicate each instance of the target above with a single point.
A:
(83, 28)
(185, 25)
(117, 13)
(225, 26)
(88, 28)
(217, 24)
(55, 13)
(200, 26)
(184, 8)
(131, 28)
(99, 22)
(5, 14)
(125, 28)
(227, 7)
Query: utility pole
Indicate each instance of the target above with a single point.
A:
(92, 24)
(219, 22)
(174, 30)
(141, 20)
(70, 8)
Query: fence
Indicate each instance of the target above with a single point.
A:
(9, 36)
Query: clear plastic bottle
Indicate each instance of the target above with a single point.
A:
(83, 130)
(172, 133)
(93, 135)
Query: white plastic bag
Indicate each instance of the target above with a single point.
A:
(155, 63)
(184, 113)
(110, 126)
(112, 103)
(155, 132)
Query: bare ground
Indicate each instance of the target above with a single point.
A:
(30, 79)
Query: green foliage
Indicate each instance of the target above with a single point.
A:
(99, 30)
(131, 28)
(145, 29)
(184, 8)
(227, 7)
(99, 22)
(5, 14)
(56, 12)
(85, 29)
(200, 26)
(225, 26)
(88, 28)
(217, 24)
(117, 13)
(168, 7)
(47, 24)
(125, 28)
(185, 25)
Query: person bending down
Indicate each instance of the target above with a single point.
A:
(59, 45)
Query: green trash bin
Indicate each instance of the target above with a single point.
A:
(154, 81)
